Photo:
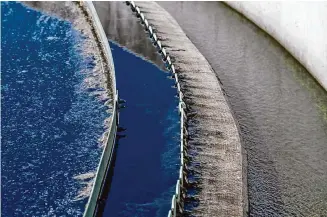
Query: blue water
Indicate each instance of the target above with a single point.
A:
(50, 122)
(146, 168)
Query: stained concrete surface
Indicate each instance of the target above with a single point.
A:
(281, 109)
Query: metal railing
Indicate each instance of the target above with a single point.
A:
(177, 202)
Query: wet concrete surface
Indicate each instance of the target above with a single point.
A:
(280, 108)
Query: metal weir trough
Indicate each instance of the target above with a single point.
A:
(177, 202)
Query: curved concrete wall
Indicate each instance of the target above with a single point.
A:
(92, 206)
(105, 44)
(301, 27)
(216, 155)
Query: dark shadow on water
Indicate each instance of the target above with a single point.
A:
(147, 159)
(108, 181)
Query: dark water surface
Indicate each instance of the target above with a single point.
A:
(50, 122)
(281, 109)
(147, 163)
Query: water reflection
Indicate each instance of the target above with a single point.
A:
(146, 167)
(120, 26)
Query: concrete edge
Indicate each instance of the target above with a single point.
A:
(275, 34)
(107, 153)
(232, 201)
